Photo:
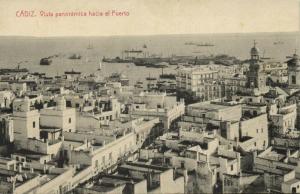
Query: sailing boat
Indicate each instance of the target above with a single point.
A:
(90, 46)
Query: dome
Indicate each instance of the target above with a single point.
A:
(296, 57)
(294, 61)
(254, 51)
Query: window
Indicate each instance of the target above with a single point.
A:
(255, 144)
(96, 163)
(254, 113)
(17, 158)
(33, 124)
(256, 130)
(182, 164)
(22, 160)
(68, 103)
(70, 120)
(231, 167)
(293, 79)
(167, 160)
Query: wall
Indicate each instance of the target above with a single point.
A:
(59, 118)
(286, 142)
(23, 125)
(87, 122)
(40, 146)
(256, 127)
(63, 180)
(206, 178)
(116, 149)
(169, 185)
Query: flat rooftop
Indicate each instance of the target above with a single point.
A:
(210, 106)
(75, 144)
(142, 167)
(274, 155)
(5, 160)
(292, 181)
(29, 154)
(102, 189)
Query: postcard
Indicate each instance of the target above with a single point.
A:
(139, 96)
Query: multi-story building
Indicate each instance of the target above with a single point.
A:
(157, 105)
(294, 72)
(59, 116)
(200, 82)
(26, 120)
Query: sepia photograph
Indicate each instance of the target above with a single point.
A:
(149, 97)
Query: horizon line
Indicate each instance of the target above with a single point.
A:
(132, 35)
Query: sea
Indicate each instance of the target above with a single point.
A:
(26, 52)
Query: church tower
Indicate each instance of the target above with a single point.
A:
(294, 72)
(256, 78)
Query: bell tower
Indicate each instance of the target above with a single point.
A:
(256, 78)
(254, 52)
(294, 71)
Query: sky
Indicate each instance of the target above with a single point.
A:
(149, 17)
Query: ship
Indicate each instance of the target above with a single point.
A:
(198, 44)
(151, 64)
(189, 43)
(45, 61)
(168, 76)
(151, 78)
(13, 70)
(205, 44)
(75, 56)
(278, 42)
(116, 60)
(72, 72)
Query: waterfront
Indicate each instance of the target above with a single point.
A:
(27, 52)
